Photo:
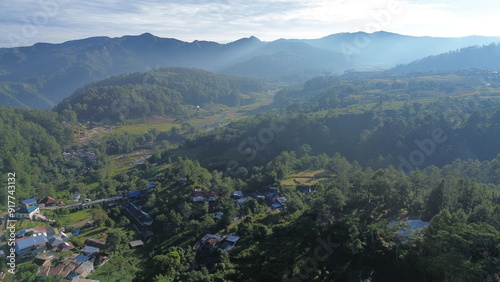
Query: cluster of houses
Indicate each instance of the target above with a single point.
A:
(33, 241)
(207, 245)
(80, 155)
(30, 208)
(275, 200)
(199, 195)
(76, 266)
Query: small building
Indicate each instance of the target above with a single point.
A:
(89, 250)
(85, 269)
(242, 200)
(29, 202)
(30, 247)
(47, 202)
(56, 241)
(209, 241)
(203, 196)
(182, 181)
(76, 196)
(136, 243)
(218, 215)
(66, 246)
(28, 212)
(412, 227)
(81, 258)
(273, 186)
(95, 243)
(134, 195)
(238, 194)
(143, 218)
(229, 243)
(151, 185)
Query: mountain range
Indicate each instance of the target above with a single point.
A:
(42, 75)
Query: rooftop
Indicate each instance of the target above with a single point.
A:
(30, 242)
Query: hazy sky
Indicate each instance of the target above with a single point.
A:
(25, 22)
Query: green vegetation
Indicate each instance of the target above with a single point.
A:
(345, 157)
(164, 91)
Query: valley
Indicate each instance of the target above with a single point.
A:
(181, 174)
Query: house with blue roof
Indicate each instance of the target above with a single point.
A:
(28, 212)
(409, 228)
(29, 202)
(30, 247)
(229, 243)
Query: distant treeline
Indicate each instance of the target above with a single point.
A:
(163, 91)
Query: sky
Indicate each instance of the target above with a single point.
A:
(26, 22)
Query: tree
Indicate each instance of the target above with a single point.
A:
(168, 264)
(117, 239)
(99, 217)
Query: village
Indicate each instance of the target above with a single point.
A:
(61, 252)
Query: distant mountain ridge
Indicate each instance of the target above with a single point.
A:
(42, 75)
(481, 57)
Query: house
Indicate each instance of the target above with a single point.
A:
(95, 243)
(229, 243)
(88, 250)
(76, 196)
(30, 247)
(43, 270)
(151, 185)
(242, 200)
(182, 180)
(85, 269)
(2, 254)
(237, 194)
(412, 227)
(218, 215)
(203, 196)
(27, 212)
(29, 202)
(210, 241)
(47, 202)
(136, 243)
(56, 241)
(66, 246)
(134, 195)
(37, 231)
(308, 190)
(81, 258)
(143, 218)
(273, 186)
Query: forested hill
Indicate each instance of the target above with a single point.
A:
(482, 57)
(376, 122)
(162, 91)
(31, 143)
(42, 75)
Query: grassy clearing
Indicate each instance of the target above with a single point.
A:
(76, 219)
(308, 177)
(141, 126)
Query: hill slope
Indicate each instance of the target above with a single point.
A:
(42, 75)
(483, 57)
(157, 92)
